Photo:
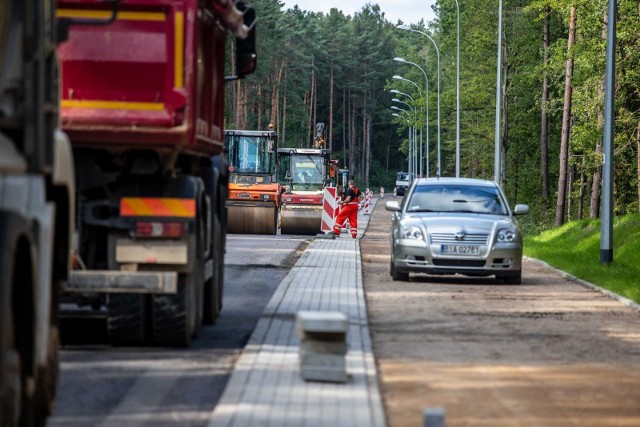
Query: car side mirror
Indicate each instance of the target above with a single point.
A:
(392, 205)
(521, 210)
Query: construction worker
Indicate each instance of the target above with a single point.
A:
(349, 210)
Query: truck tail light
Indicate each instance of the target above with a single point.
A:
(160, 229)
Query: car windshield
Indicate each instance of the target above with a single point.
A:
(457, 198)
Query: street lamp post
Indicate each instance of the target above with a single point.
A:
(458, 92)
(397, 77)
(410, 154)
(397, 92)
(415, 151)
(426, 80)
(405, 27)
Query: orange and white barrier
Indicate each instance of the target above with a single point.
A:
(368, 199)
(330, 209)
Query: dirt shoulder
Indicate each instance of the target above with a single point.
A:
(549, 352)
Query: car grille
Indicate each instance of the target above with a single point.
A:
(458, 263)
(438, 238)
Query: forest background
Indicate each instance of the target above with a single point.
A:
(338, 69)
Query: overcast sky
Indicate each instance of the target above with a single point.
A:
(409, 11)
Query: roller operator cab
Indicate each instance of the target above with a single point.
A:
(143, 104)
(253, 201)
(303, 174)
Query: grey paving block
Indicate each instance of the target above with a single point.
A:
(322, 374)
(312, 346)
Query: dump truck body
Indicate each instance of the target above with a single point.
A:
(142, 101)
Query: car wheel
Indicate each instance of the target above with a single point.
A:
(397, 275)
(512, 280)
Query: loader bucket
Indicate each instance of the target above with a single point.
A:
(252, 218)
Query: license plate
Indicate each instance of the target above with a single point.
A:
(459, 250)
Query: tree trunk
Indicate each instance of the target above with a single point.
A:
(330, 133)
(284, 112)
(237, 107)
(259, 107)
(566, 123)
(352, 137)
(344, 128)
(363, 148)
(544, 123)
(638, 172)
(505, 123)
(310, 117)
(369, 137)
(275, 96)
(581, 190)
(594, 202)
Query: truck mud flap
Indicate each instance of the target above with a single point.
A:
(164, 282)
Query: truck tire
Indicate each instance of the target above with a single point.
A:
(20, 405)
(213, 287)
(212, 301)
(172, 315)
(126, 319)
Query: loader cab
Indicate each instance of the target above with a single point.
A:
(251, 156)
(301, 169)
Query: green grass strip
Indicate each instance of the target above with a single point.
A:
(575, 248)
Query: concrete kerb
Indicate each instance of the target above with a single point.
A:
(619, 298)
(265, 387)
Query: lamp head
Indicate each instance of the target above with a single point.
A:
(397, 77)
(398, 59)
(395, 100)
(393, 107)
(394, 91)
(396, 114)
(403, 27)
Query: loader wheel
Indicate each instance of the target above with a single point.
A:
(172, 315)
(126, 319)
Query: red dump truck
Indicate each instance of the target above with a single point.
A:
(142, 100)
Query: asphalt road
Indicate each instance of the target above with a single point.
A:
(100, 385)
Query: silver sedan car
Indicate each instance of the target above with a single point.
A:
(456, 226)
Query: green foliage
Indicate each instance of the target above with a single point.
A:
(358, 51)
(575, 248)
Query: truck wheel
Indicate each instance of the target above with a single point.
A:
(172, 315)
(19, 404)
(212, 303)
(126, 319)
(49, 377)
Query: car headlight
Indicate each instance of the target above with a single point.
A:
(507, 235)
(411, 232)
